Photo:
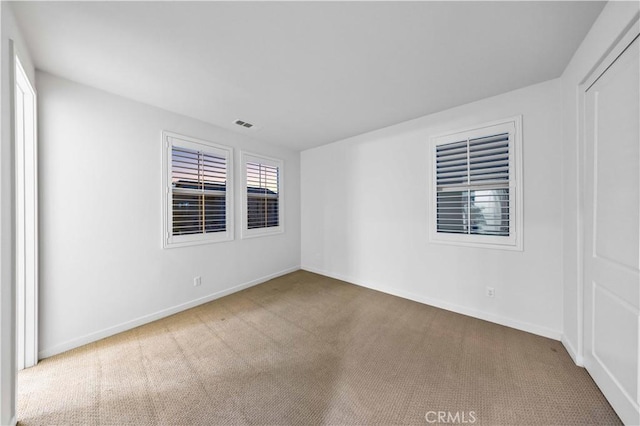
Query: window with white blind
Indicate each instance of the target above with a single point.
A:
(197, 191)
(477, 186)
(262, 204)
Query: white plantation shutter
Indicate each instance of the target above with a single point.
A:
(262, 204)
(475, 184)
(262, 196)
(198, 188)
(198, 192)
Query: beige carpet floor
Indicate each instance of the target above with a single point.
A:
(306, 349)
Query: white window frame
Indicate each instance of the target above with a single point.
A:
(514, 241)
(169, 139)
(247, 157)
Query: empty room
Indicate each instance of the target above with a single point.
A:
(300, 213)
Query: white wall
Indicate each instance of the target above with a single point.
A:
(365, 216)
(9, 31)
(102, 266)
(611, 24)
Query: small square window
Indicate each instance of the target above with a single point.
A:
(477, 186)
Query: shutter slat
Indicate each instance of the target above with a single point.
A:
(450, 181)
(485, 151)
(456, 174)
(451, 146)
(501, 170)
(501, 156)
(444, 158)
(489, 139)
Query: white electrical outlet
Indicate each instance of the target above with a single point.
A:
(197, 281)
(491, 292)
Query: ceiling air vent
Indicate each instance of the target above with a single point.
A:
(243, 124)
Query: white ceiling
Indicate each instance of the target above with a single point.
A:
(305, 73)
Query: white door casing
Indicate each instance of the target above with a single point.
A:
(611, 228)
(26, 222)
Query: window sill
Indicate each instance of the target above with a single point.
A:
(516, 246)
(197, 242)
(261, 232)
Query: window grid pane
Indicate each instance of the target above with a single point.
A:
(187, 217)
(489, 212)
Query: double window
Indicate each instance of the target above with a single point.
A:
(198, 191)
(477, 186)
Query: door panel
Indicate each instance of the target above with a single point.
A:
(616, 172)
(612, 232)
(613, 349)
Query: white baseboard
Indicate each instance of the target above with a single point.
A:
(508, 322)
(572, 351)
(128, 325)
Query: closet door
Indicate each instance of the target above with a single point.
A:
(611, 232)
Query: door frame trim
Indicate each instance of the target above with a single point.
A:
(26, 219)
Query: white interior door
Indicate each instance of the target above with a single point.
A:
(612, 231)
(26, 169)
